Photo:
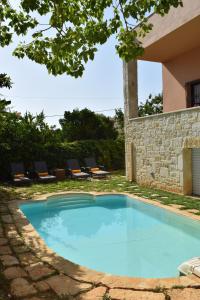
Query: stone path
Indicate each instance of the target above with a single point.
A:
(31, 271)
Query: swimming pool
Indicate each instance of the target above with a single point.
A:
(115, 234)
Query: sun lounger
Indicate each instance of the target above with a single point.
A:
(75, 171)
(42, 172)
(191, 266)
(95, 170)
(19, 176)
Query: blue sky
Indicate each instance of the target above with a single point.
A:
(100, 88)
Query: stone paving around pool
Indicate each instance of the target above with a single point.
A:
(34, 272)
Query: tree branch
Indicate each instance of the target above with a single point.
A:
(122, 11)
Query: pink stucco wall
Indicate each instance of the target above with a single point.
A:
(176, 73)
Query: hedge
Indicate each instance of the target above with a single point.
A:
(107, 152)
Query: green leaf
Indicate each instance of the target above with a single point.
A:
(74, 29)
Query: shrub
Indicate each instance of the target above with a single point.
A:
(107, 152)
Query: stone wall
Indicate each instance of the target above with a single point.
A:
(158, 149)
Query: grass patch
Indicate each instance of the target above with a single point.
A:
(117, 183)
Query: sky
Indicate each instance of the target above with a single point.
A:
(99, 89)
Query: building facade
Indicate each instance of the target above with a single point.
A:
(163, 150)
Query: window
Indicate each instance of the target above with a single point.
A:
(193, 93)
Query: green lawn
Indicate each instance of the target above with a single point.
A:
(117, 183)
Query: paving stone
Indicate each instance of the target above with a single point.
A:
(176, 205)
(185, 294)
(21, 249)
(20, 287)
(27, 228)
(3, 241)
(11, 233)
(184, 281)
(1, 232)
(68, 268)
(16, 216)
(3, 209)
(193, 211)
(9, 261)
(42, 286)
(94, 294)
(9, 227)
(126, 283)
(39, 271)
(118, 294)
(21, 222)
(14, 272)
(16, 241)
(63, 285)
(28, 259)
(36, 298)
(5, 250)
(7, 219)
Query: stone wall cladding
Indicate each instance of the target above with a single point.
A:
(159, 141)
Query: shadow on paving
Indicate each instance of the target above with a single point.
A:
(30, 269)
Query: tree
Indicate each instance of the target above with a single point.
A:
(75, 28)
(86, 125)
(119, 122)
(5, 82)
(25, 138)
(152, 106)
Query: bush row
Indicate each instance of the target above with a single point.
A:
(107, 152)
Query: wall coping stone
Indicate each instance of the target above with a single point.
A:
(166, 114)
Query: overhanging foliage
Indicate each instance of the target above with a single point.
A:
(74, 29)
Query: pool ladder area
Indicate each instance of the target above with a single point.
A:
(70, 201)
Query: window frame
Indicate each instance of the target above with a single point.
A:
(189, 86)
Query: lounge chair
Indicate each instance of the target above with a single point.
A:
(192, 266)
(19, 176)
(96, 171)
(42, 172)
(75, 171)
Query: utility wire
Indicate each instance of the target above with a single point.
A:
(54, 116)
(99, 111)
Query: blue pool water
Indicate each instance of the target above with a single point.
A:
(115, 234)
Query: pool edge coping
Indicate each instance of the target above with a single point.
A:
(155, 202)
(83, 274)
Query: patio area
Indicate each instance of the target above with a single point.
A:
(33, 271)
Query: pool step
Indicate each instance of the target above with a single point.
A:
(70, 206)
(69, 202)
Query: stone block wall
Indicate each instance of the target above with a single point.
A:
(158, 149)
